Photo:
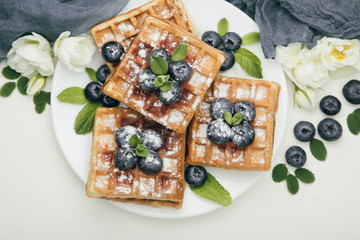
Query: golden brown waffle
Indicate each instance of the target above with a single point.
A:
(165, 188)
(257, 156)
(205, 62)
(125, 27)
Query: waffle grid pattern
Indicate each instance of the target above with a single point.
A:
(106, 181)
(257, 156)
(204, 60)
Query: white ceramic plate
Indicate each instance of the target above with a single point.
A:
(77, 148)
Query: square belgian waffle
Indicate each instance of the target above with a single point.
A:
(125, 27)
(166, 188)
(257, 156)
(205, 62)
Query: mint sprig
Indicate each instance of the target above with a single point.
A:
(233, 120)
(10, 74)
(292, 184)
(73, 95)
(250, 38)
(84, 121)
(353, 122)
(249, 62)
(134, 140)
(305, 175)
(163, 83)
(212, 190)
(318, 149)
(158, 65)
(91, 73)
(140, 149)
(279, 173)
(180, 52)
(223, 27)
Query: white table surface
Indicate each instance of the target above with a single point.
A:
(42, 198)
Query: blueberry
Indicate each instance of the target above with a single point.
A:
(151, 139)
(171, 96)
(112, 51)
(147, 80)
(295, 156)
(219, 106)
(195, 176)
(212, 38)
(242, 135)
(92, 91)
(161, 53)
(102, 73)
(179, 71)
(351, 91)
(231, 41)
(108, 101)
(152, 163)
(330, 105)
(218, 131)
(123, 135)
(304, 131)
(229, 62)
(246, 109)
(329, 129)
(125, 159)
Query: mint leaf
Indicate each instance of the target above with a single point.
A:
(223, 27)
(304, 175)
(250, 38)
(357, 112)
(141, 153)
(180, 52)
(91, 73)
(228, 117)
(236, 120)
(7, 89)
(167, 86)
(353, 122)
(40, 101)
(10, 74)
(292, 184)
(249, 62)
(22, 85)
(158, 65)
(73, 95)
(134, 140)
(279, 173)
(161, 79)
(213, 191)
(318, 149)
(84, 121)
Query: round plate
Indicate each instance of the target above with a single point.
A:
(77, 148)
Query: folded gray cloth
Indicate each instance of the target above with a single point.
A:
(285, 21)
(51, 17)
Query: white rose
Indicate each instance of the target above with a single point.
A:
(305, 99)
(30, 55)
(74, 52)
(287, 56)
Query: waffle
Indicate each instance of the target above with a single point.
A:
(125, 27)
(164, 189)
(204, 60)
(257, 156)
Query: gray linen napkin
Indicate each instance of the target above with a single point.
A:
(51, 17)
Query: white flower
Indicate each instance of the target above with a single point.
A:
(287, 56)
(35, 84)
(305, 99)
(74, 52)
(30, 55)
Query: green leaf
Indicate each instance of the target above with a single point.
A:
(318, 149)
(141, 147)
(7, 89)
(91, 73)
(141, 153)
(357, 112)
(40, 100)
(73, 95)
(22, 85)
(249, 62)
(228, 117)
(213, 191)
(134, 140)
(158, 65)
(236, 120)
(353, 122)
(292, 184)
(10, 74)
(279, 173)
(250, 38)
(180, 52)
(223, 27)
(84, 121)
(304, 175)
(167, 86)
(161, 79)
